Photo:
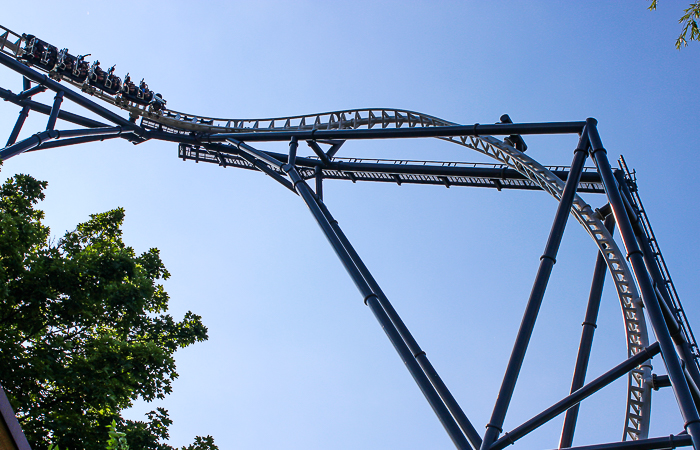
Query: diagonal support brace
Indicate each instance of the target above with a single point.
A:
(576, 397)
(18, 126)
(371, 299)
(39, 138)
(259, 160)
(57, 100)
(28, 93)
(420, 356)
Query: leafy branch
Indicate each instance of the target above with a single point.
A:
(689, 22)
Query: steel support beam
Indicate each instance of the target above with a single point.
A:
(371, 299)
(584, 348)
(318, 176)
(55, 109)
(18, 126)
(72, 141)
(576, 397)
(665, 301)
(656, 317)
(547, 261)
(335, 146)
(263, 156)
(499, 129)
(27, 93)
(319, 152)
(39, 138)
(255, 161)
(418, 353)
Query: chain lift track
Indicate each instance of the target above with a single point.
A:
(226, 142)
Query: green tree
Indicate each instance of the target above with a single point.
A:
(689, 22)
(83, 328)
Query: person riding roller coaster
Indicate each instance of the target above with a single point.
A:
(69, 66)
(128, 87)
(140, 95)
(62, 64)
(39, 53)
(106, 81)
(144, 93)
(158, 103)
(96, 74)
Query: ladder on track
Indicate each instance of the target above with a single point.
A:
(631, 178)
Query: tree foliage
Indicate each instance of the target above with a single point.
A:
(689, 21)
(83, 328)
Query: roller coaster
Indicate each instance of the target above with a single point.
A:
(637, 269)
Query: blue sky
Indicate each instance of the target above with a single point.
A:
(294, 359)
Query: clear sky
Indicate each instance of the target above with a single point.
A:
(294, 359)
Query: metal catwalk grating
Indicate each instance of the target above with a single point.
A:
(403, 171)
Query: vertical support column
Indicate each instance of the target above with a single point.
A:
(547, 261)
(420, 356)
(18, 126)
(661, 289)
(318, 171)
(635, 257)
(584, 348)
(371, 300)
(57, 100)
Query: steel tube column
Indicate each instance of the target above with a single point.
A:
(18, 126)
(584, 348)
(39, 138)
(667, 307)
(634, 255)
(57, 100)
(318, 175)
(547, 261)
(372, 301)
(420, 356)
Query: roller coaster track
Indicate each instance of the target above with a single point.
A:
(220, 141)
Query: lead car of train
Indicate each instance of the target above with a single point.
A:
(61, 64)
